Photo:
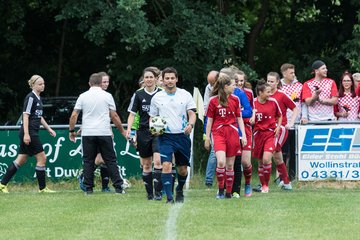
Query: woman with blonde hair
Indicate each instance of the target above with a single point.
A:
(30, 144)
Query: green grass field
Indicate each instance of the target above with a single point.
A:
(308, 212)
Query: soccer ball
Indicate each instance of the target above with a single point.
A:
(157, 125)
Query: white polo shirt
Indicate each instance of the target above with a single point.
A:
(95, 105)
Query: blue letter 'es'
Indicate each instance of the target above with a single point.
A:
(310, 139)
(342, 144)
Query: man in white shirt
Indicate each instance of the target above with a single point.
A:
(178, 108)
(97, 108)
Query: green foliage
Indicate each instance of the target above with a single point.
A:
(294, 33)
(101, 19)
(351, 48)
(7, 95)
(201, 37)
(125, 36)
(12, 16)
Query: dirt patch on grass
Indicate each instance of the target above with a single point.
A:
(330, 184)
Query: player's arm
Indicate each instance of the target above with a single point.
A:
(134, 106)
(245, 103)
(310, 97)
(116, 120)
(191, 122)
(72, 121)
(47, 127)
(311, 100)
(333, 100)
(304, 113)
(130, 121)
(252, 119)
(295, 113)
(278, 125)
(242, 129)
(208, 130)
(26, 138)
(330, 101)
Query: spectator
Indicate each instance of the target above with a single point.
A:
(347, 108)
(356, 77)
(292, 88)
(211, 163)
(320, 94)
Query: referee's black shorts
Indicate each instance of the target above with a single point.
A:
(147, 144)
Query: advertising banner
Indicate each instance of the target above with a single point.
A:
(329, 152)
(63, 156)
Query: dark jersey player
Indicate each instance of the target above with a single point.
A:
(147, 144)
(30, 144)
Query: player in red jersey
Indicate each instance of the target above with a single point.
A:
(224, 117)
(241, 79)
(285, 103)
(267, 122)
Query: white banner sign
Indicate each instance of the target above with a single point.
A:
(329, 152)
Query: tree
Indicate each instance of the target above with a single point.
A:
(351, 48)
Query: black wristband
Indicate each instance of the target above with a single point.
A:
(72, 130)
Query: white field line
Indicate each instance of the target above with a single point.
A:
(170, 226)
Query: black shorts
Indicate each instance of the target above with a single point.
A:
(33, 148)
(92, 145)
(147, 144)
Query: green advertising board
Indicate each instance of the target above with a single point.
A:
(63, 156)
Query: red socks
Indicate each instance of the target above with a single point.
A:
(248, 174)
(281, 168)
(267, 173)
(229, 181)
(261, 173)
(220, 175)
(223, 176)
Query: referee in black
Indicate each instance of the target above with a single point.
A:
(97, 108)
